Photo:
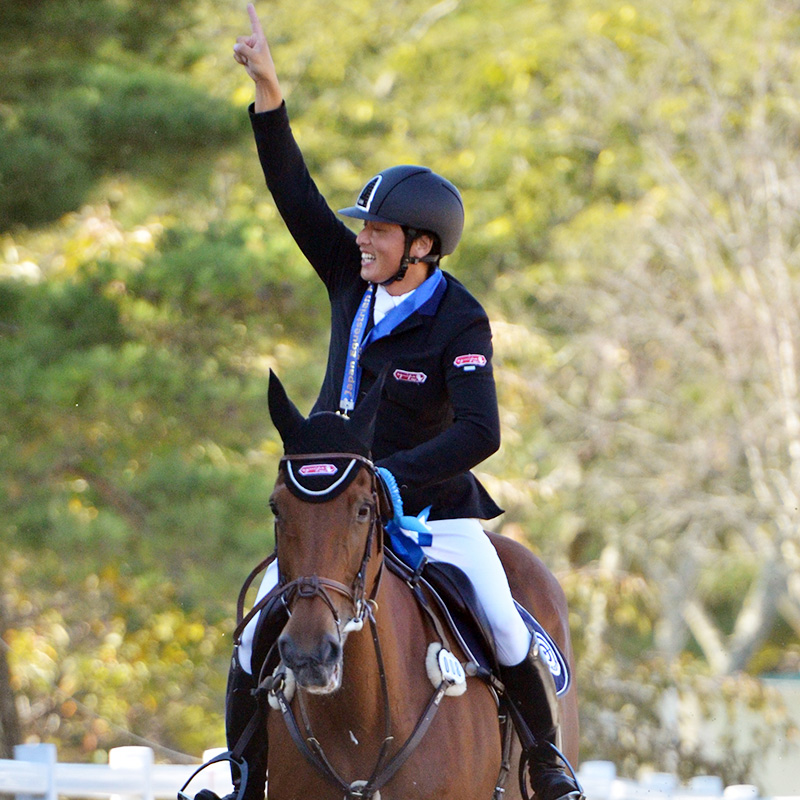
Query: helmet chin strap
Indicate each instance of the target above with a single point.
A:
(411, 235)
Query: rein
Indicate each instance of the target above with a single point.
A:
(308, 587)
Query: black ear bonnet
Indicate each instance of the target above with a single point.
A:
(318, 480)
(320, 473)
(324, 452)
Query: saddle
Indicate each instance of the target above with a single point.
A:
(455, 599)
(456, 604)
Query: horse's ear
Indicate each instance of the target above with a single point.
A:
(362, 420)
(285, 416)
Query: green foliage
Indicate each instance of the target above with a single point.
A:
(86, 27)
(93, 104)
(38, 179)
(56, 320)
(111, 658)
(235, 269)
(645, 712)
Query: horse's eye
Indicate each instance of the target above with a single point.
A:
(273, 507)
(364, 512)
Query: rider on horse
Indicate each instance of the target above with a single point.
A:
(438, 417)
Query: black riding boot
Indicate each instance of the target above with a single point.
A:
(534, 709)
(242, 706)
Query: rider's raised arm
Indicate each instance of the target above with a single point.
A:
(327, 243)
(253, 53)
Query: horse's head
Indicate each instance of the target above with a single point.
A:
(327, 533)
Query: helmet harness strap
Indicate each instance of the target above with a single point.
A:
(411, 235)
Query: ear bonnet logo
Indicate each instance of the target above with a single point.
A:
(317, 469)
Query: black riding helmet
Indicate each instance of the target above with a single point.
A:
(418, 200)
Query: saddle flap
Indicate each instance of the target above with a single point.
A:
(548, 650)
(458, 594)
(459, 609)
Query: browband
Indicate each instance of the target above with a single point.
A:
(319, 477)
(317, 456)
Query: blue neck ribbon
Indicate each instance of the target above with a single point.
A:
(358, 340)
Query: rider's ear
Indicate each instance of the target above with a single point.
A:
(285, 416)
(362, 419)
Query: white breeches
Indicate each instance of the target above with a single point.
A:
(245, 649)
(461, 542)
(464, 543)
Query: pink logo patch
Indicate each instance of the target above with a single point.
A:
(318, 469)
(470, 361)
(410, 377)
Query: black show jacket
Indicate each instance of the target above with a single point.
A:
(438, 417)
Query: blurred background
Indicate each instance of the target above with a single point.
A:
(631, 179)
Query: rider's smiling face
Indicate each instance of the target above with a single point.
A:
(382, 245)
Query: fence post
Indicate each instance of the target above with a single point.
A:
(47, 756)
(137, 759)
(664, 782)
(597, 778)
(740, 791)
(706, 786)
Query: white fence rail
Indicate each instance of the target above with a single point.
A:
(132, 772)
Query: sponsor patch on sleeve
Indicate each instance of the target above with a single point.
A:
(470, 361)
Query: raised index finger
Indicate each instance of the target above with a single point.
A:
(255, 22)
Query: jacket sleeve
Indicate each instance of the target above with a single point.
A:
(322, 237)
(474, 433)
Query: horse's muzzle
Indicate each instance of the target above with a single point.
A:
(317, 667)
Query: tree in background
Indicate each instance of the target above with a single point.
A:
(92, 88)
(671, 365)
(9, 719)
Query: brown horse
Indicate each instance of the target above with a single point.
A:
(366, 719)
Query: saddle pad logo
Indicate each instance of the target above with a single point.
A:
(317, 469)
(548, 654)
(470, 361)
(410, 377)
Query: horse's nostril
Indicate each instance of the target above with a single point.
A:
(287, 650)
(327, 652)
(330, 649)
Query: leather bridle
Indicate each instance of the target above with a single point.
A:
(314, 585)
(307, 587)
